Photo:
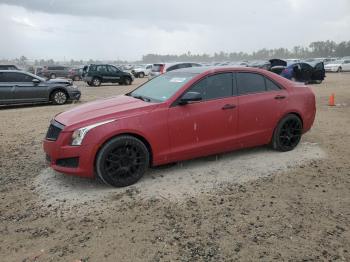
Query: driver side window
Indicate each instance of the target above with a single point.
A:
(215, 86)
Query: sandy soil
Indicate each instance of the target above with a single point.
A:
(254, 204)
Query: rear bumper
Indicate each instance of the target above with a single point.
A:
(67, 159)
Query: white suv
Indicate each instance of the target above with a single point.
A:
(142, 70)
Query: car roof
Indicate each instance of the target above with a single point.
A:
(213, 69)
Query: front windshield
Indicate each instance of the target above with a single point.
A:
(162, 87)
(37, 77)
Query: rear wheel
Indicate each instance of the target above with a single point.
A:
(53, 76)
(76, 78)
(127, 81)
(59, 97)
(122, 161)
(287, 134)
(141, 75)
(96, 81)
(339, 69)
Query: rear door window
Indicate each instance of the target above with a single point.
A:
(101, 68)
(250, 83)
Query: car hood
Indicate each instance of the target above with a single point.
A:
(102, 110)
(60, 81)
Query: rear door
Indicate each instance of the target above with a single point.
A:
(205, 127)
(102, 72)
(27, 91)
(260, 105)
(6, 88)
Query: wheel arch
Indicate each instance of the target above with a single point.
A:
(133, 134)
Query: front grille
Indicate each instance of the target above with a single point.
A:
(54, 131)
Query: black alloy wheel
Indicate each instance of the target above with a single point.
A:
(288, 133)
(122, 161)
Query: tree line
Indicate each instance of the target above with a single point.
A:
(315, 49)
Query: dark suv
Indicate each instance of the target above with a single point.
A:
(8, 67)
(54, 71)
(18, 87)
(94, 75)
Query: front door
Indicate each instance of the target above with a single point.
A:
(113, 73)
(205, 127)
(27, 91)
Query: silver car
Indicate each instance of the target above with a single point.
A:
(161, 68)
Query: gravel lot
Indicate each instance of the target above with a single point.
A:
(254, 204)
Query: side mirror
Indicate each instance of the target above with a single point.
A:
(36, 81)
(190, 97)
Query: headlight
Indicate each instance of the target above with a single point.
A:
(79, 134)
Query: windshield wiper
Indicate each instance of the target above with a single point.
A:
(143, 98)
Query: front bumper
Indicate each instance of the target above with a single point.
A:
(74, 95)
(67, 159)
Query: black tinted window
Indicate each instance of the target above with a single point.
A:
(216, 86)
(271, 85)
(101, 68)
(174, 67)
(250, 83)
(15, 77)
(112, 69)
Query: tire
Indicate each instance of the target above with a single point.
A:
(52, 76)
(339, 69)
(89, 83)
(76, 78)
(127, 81)
(96, 81)
(141, 75)
(122, 161)
(59, 97)
(287, 134)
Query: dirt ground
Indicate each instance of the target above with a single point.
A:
(249, 205)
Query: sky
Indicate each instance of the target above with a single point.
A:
(126, 30)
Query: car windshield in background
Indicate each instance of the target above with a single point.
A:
(338, 62)
(162, 87)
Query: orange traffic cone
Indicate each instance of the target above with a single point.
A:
(331, 100)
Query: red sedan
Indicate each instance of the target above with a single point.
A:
(179, 115)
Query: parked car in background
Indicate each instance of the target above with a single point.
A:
(52, 72)
(8, 67)
(142, 70)
(313, 72)
(76, 74)
(95, 74)
(18, 87)
(161, 68)
(305, 72)
(338, 66)
(198, 111)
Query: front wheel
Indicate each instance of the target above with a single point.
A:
(122, 161)
(339, 69)
(287, 134)
(59, 97)
(141, 75)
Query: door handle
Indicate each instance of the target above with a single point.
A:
(228, 106)
(280, 97)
